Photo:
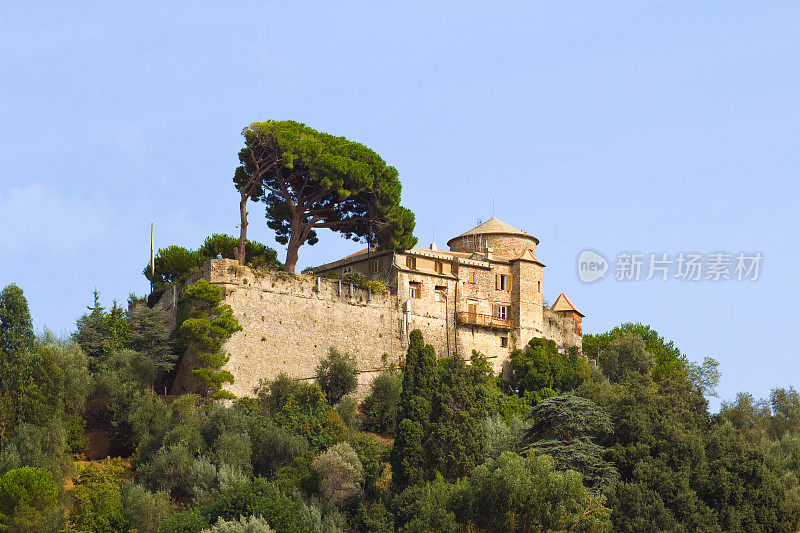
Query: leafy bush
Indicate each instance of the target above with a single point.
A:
(360, 280)
(28, 500)
(516, 494)
(98, 499)
(380, 405)
(256, 497)
(252, 524)
(255, 253)
(341, 472)
(38, 446)
(374, 458)
(173, 263)
(337, 375)
(501, 436)
(145, 510)
(188, 521)
(541, 366)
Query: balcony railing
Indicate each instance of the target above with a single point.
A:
(488, 321)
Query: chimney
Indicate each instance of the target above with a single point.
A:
(433, 246)
(489, 252)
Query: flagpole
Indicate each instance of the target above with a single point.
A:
(152, 259)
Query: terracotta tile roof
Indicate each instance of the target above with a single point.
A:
(563, 304)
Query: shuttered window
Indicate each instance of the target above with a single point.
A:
(503, 282)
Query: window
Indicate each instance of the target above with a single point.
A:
(376, 266)
(440, 293)
(345, 270)
(411, 262)
(415, 289)
(471, 277)
(502, 311)
(439, 267)
(503, 282)
(504, 342)
(540, 286)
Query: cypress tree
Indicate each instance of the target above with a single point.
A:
(456, 438)
(420, 377)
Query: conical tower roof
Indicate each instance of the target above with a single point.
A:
(494, 226)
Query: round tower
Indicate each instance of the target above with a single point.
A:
(502, 239)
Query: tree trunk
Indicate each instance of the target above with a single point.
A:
(295, 240)
(242, 229)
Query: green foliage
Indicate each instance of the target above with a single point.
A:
(431, 510)
(311, 180)
(669, 361)
(98, 500)
(172, 264)
(150, 336)
(540, 366)
(501, 436)
(100, 333)
(256, 254)
(209, 326)
(626, 357)
(40, 446)
(373, 457)
(341, 473)
(187, 521)
(256, 497)
(381, 404)
(145, 510)
(301, 409)
(565, 428)
(456, 443)
(420, 377)
(252, 524)
(337, 375)
(16, 325)
(28, 500)
(527, 494)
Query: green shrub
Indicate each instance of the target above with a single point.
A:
(253, 524)
(380, 406)
(28, 500)
(188, 521)
(341, 472)
(348, 410)
(98, 500)
(337, 375)
(501, 436)
(374, 458)
(256, 497)
(145, 510)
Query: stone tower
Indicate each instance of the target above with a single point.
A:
(496, 240)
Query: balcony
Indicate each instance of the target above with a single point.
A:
(487, 321)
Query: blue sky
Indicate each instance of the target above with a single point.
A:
(649, 127)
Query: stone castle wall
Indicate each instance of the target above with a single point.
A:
(290, 321)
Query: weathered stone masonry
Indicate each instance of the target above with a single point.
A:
(290, 321)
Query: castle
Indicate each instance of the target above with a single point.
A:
(484, 293)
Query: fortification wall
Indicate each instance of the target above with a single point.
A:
(560, 329)
(290, 321)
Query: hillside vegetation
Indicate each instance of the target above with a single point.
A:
(90, 442)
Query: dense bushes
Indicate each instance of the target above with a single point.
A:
(176, 263)
(559, 447)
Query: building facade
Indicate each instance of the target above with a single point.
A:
(484, 293)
